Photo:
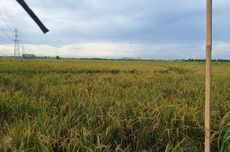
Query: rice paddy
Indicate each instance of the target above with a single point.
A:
(106, 105)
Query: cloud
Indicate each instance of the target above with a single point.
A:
(111, 50)
(146, 28)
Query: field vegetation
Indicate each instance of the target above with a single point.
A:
(97, 105)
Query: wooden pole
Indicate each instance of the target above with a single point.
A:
(208, 76)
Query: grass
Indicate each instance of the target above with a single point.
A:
(78, 105)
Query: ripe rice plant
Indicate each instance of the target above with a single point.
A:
(104, 105)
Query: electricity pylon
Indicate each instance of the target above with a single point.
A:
(16, 43)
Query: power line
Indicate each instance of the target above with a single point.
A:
(6, 26)
(6, 34)
(8, 17)
(3, 29)
(10, 28)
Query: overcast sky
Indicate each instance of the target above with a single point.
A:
(151, 29)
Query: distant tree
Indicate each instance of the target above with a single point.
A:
(58, 57)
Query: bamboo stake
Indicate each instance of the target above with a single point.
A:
(208, 76)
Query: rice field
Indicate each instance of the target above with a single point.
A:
(105, 105)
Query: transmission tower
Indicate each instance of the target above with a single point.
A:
(16, 43)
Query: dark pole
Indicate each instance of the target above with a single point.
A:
(33, 16)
